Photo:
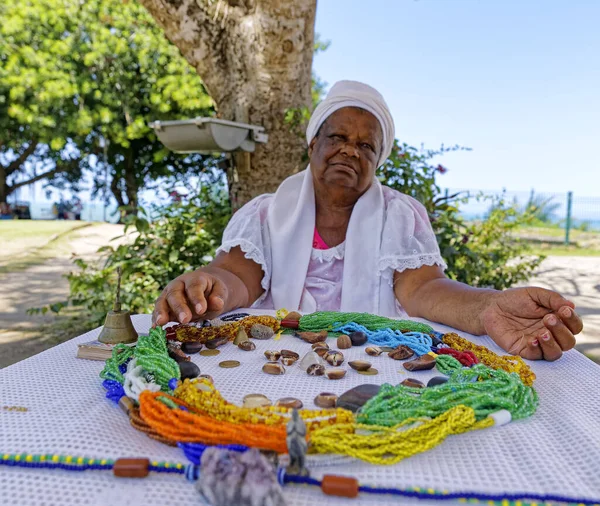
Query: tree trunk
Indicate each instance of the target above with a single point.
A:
(3, 185)
(255, 58)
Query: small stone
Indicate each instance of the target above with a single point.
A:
(289, 402)
(260, 331)
(435, 341)
(335, 374)
(229, 364)
(209, 353)
(178, 355)
(287, 361)
(207, 377)
(241, 336)
(358, 338)
(321, 351)
(289, 354)
(360, 365)
(191, 347)
(402, 352)
(374, 351)
(293, 316)
(423, 363)
(343, 342)
(315, 370)
(212, 344)
(256, 401)
(188, 370)
(247, 346)
(272, 355)
(413, 383)
(437, 380)
(356, 397)
(320, 344)
(273, 368)
(369, 372)
(326, 400)
(334, 357)
(312, 337)
(126, 404)
(309, 359)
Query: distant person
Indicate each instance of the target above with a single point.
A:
(77, 208)
(333, 238)
(5, 213)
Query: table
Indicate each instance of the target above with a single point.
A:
(557, 451)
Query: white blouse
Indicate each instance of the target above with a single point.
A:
(408, 242)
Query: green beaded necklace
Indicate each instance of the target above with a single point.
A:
(479, 387)
(329, 320)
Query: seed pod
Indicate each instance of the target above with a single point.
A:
(315, 370)
(360, 365)
(247, 346)
(334, 357)
(211, 344)
(289, 354)
(402, 352)
(358, 338)
(320, 344)
(274, 368)
(413, 383)
(322, 352)
(374, 351)
(272, 355)
(289, 402)
(287, 361)
(326, 400)
(335, 374)
(256, 401)
(344, 342)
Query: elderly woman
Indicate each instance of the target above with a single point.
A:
(332, 238)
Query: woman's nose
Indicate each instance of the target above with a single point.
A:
(350, 149)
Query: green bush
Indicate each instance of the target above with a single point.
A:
(167, 242)
(483, 253)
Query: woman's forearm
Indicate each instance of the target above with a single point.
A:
(451, 303)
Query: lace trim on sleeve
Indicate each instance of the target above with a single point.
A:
(251, 252)
(388, 265)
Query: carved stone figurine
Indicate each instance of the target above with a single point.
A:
(296, 443)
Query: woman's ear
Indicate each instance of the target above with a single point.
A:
(311, 146)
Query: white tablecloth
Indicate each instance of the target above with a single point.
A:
(557, 451)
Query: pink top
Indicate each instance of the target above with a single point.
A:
(318, 242)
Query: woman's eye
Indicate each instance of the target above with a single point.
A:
(367, 146)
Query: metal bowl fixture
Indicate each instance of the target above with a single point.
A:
(207, 135)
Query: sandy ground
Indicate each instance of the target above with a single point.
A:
(577, 278)
(38, 286)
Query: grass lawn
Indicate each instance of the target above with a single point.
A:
(549, 240)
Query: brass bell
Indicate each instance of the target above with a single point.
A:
(118, 327)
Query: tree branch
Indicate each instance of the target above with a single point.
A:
(34, 179)
(15, 165)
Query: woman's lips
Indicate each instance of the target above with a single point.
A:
(343, 166)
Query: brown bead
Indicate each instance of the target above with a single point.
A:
(211, 344)
(272, 355)
(289, 354)
(320, 344)
(126, 404)
(131, 468)
(344, 342)
(374, 351)
(335, 374)
(293, 316)
(334, 357)
(315, 370)
(247, 346)
(312, 337)
(423, 363)
(289, 402)
(287, 361)
(341, 486)
(413, 383)
(273, 368)
(321, 351)
(326, 400)
(360, 365)
(402, 352)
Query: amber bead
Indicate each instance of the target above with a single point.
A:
(341, 486)
(131, 468)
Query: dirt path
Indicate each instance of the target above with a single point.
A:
(38, 286)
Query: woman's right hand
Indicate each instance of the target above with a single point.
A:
(191, 296)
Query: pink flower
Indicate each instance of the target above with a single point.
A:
(441, 169)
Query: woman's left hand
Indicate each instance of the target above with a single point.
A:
(534, 323)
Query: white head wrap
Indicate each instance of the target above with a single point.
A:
(355, 94)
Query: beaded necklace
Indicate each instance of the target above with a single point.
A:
(204, 398)
(351, 486)
(484, 389)
(419, 342)
(332, 320)
(509, 363)
(189, 333)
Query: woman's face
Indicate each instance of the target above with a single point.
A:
(346, 149)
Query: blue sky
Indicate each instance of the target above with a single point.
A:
(516, 81)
